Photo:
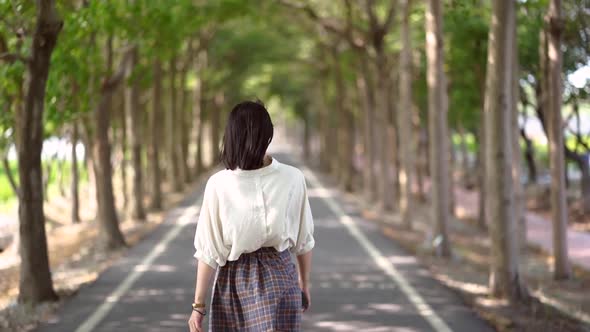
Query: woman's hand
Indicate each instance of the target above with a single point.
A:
(305, 290)
(195, 323)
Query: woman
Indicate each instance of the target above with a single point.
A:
(255, 213)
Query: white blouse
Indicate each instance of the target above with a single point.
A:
(244, 210)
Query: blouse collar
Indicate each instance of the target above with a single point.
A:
(259, 171)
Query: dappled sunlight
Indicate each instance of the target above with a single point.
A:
(155, 268)
(403, 260)
(361, 326)
(465, 286)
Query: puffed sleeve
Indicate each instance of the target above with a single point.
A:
(209, 245)
(305, 240)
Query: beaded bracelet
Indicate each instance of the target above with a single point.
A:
(204, 312)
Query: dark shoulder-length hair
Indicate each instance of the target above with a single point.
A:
(248, 134)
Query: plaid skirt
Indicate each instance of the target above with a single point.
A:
(257, 293)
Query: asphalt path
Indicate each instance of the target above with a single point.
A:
(361, 280)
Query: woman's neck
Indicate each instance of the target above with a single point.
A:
(267, 160)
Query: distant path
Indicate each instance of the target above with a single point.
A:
(361, 280)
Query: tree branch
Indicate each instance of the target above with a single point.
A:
(326, 23)
(373, 21)
(118, 76)
(390, 17)
(13, 57)
(9, 175)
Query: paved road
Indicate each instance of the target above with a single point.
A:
(361, 281)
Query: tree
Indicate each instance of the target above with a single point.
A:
(500, 105)
(562, 268)
(107, 212)
(133, 124)
(155, 120)
(35, 277)
(198, 114)
(408, 147)
(438, 126)
(75, 214)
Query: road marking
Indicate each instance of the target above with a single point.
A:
(100, 313)
(423, 308)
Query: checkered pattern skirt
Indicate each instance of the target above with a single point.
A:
(257, 293)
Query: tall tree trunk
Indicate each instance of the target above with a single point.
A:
(75, 212)
(87, 137)
(173, 164)
(155, 120)
(451, 162)
(519, 194)
(343, 134)
(392, 133)
(366, 85)
(35, 283)
(501, 205)
(119, 99)
(529, 154)
(320, 99)
(562, 269)
(438, 127)
(219, 101)
(198, 114)
(585, 168)
(133, 124)
(185, 123)
(465, 167)
(406, 132)
(382, 142)
(481, 176)
(306, 135)
(112, 238)
(422, 158)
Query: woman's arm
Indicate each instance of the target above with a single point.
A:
(304, 263)
(203, 284)
(204, 276)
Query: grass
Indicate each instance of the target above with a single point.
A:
(7, 196)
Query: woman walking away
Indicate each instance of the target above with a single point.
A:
(255, 213)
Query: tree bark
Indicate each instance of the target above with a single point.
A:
(529, 154)
(155, 120)
(466, 169)
(501, 204)
(134, 140)
(119, 103)
(218, 101)
(35, 283)
(306, 135)
(438, 127)
(481, 176)
(519, 194)
(185, 122)
(369, 174)
(198, 114)
(407, 164)
(559, 213)
(344, 135)
(75, 212)
(112, 238)
(173, 165)
(382, 140)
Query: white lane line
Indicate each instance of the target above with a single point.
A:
(437, 323)
(100, 313)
